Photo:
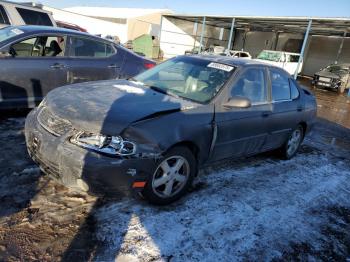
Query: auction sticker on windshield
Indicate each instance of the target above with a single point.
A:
(226, 68)
(17, 31)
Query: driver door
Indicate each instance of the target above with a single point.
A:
(243, 131)
(32, 71)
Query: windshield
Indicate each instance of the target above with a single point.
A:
(270, 56)
(336, 68)
(9, 32)
(188, 77)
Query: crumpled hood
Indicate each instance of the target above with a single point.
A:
(325, 73)
(108, 107)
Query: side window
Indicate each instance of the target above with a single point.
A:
(55, 46)
(31, 17)
(82, 47)
(27, 48)
(294, 58)
(40, 46)
(280, 85)
(3, 16)
(294, 91)
(251, 84)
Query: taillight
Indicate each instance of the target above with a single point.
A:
(148, 65)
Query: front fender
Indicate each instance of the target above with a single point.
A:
(161, 133)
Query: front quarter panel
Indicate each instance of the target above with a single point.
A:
(161, 133)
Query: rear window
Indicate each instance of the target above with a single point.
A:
(280, 85)
(31, 17)
(3, 16)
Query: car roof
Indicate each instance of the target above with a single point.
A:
(36, 29)
(231, 60)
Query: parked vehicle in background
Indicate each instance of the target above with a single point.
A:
(151, 134)
(36, 59)
(70, 26)
(24, 14)
(222, 51)
(215, 50)
(286, 60)
(336, 76)
(193, 51)
(239, 54)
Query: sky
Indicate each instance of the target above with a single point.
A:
(320, 8)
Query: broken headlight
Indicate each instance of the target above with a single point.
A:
(111, 145)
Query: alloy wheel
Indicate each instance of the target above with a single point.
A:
(294, 141)
(170, 176)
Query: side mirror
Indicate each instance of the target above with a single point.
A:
(238, 102)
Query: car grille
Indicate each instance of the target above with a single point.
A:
(53, 124)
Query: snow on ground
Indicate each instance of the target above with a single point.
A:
(259, 207)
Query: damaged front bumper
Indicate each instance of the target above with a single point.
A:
(76, 167)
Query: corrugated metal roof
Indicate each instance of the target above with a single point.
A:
(320, 25)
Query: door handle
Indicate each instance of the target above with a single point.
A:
(265, 114)
(113, 66)
(57, 66)
(300, 108)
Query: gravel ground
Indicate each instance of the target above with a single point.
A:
(247, 209)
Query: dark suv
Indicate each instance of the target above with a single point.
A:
(333, 76)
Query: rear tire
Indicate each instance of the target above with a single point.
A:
(172, 177)
(292, 144)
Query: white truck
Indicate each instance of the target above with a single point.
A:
(24, 14)
(286, 60)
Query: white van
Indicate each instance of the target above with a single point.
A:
(24, 14)
(287, 61)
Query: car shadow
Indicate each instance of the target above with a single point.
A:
(19, 176)
(17, 170)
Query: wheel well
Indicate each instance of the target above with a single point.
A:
(191, 146)
(304, 126)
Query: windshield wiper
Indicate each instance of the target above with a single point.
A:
(158, 89)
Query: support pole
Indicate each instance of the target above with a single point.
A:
(231, 34)
(301, 57)
(202, 35)
(340, 48)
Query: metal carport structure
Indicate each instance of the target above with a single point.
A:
(228, 26)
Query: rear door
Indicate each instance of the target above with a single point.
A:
(38, 65)
(287, 108)
(91, 60)
(243, 131)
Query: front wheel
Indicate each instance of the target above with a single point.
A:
(172, 177)
(291, 146)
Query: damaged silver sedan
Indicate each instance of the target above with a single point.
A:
(150, 134)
